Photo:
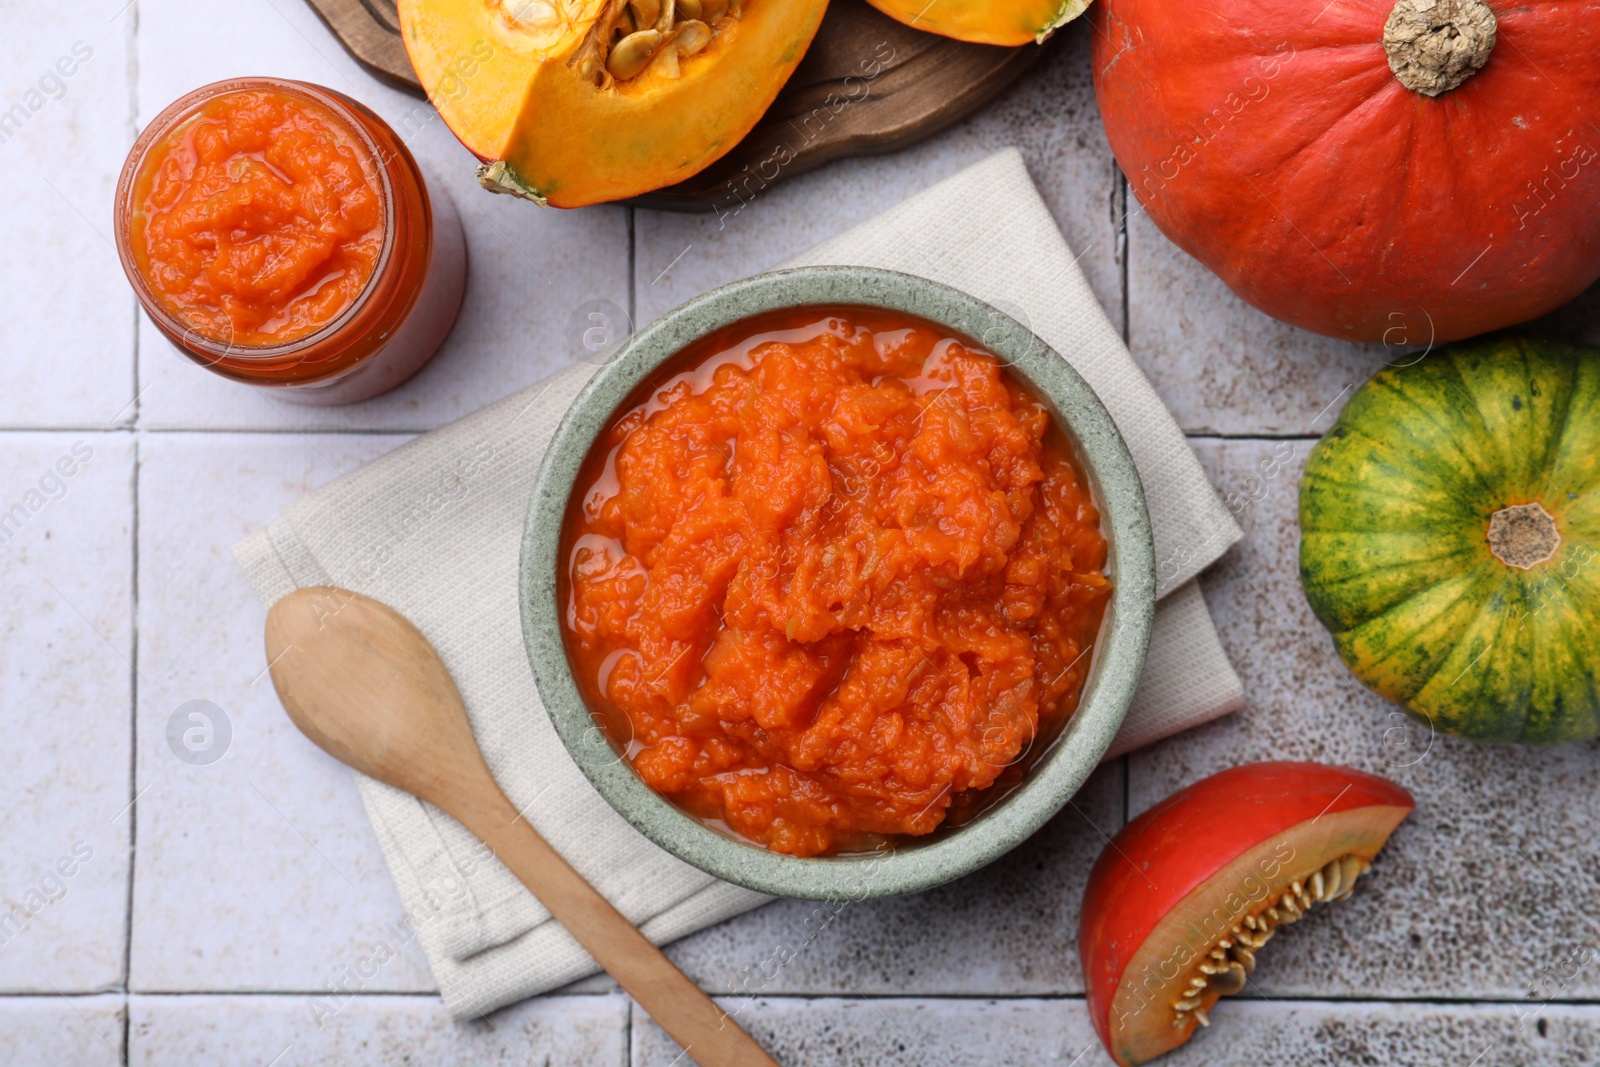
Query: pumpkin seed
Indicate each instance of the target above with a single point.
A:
(689, 9)
(691, 38)
(1229, 981)
(646, 13)
(712, 10)
(633, 53)
(1332, 879)
(1351, 870)
(540, 14)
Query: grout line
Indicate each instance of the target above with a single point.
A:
(1061, 998)
(145, 431)
(246, 431)
(1119, 207)
(633, 267)
(133, 680)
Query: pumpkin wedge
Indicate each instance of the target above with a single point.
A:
(1003, 22)
(1180, 903)
(576, 102)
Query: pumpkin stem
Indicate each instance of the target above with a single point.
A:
(1523, 535)
(1435, 45)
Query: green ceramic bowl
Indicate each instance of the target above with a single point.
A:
(1119, 654)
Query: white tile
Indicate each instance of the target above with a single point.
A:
(530, 268)
(66, 315)
(1049, 114)
(66, 570)
(381, 1031)
(258, 871)
(51, 1031)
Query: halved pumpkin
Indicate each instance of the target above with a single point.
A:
(575, 102)
(1179, 903)
(1003, 22)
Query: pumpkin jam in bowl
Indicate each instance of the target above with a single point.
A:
(832, 584)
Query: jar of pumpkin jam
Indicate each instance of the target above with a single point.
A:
(282, 235)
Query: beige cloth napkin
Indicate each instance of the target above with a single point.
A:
(434, 529)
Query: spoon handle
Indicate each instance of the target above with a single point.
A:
(705, 1032)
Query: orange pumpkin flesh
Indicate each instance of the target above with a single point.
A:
(1002, 22)
(1204, 878)
(509, 79)
(1277, 144)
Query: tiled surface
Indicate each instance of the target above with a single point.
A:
(66, 551)
(51, 1031)
(1480, 882)
(76, 107)
(256, 884)
(375, 1031)
(1011, 927)
(286, 886)
(1037, 1033)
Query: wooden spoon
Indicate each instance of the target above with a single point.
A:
(368, 688)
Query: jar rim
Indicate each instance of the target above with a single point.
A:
(182, 110)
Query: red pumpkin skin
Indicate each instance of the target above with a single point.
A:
(1270, 140)
(1169, 851)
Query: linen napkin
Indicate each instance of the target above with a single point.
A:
(434, 529)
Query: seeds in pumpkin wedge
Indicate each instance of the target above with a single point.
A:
(574, 102)
(1449, 526)
(1002, 22)
(1181, 902)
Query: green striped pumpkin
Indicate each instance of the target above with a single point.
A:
(1426, 517)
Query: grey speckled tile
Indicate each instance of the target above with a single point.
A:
(1486, 891)
(380, 1031)
(1396, 1035)
(1036, 1033)
(1011, 928)
(899, 1033)
(1222, 366)
(1050, 114)
(52, 1031)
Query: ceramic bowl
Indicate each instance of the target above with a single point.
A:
(1119, 654)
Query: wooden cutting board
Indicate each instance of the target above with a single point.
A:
(869, 85)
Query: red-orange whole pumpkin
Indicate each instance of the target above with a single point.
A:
(1366, 169)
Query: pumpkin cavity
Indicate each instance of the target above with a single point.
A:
(1523, 535)
(1222, 972)
(631, 35)
(1436, 45)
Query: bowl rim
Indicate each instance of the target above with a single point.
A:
(1120, 648)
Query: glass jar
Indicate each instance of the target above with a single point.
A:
(399, 318)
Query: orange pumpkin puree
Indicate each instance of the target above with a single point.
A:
(259, 220)
(833, 574)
